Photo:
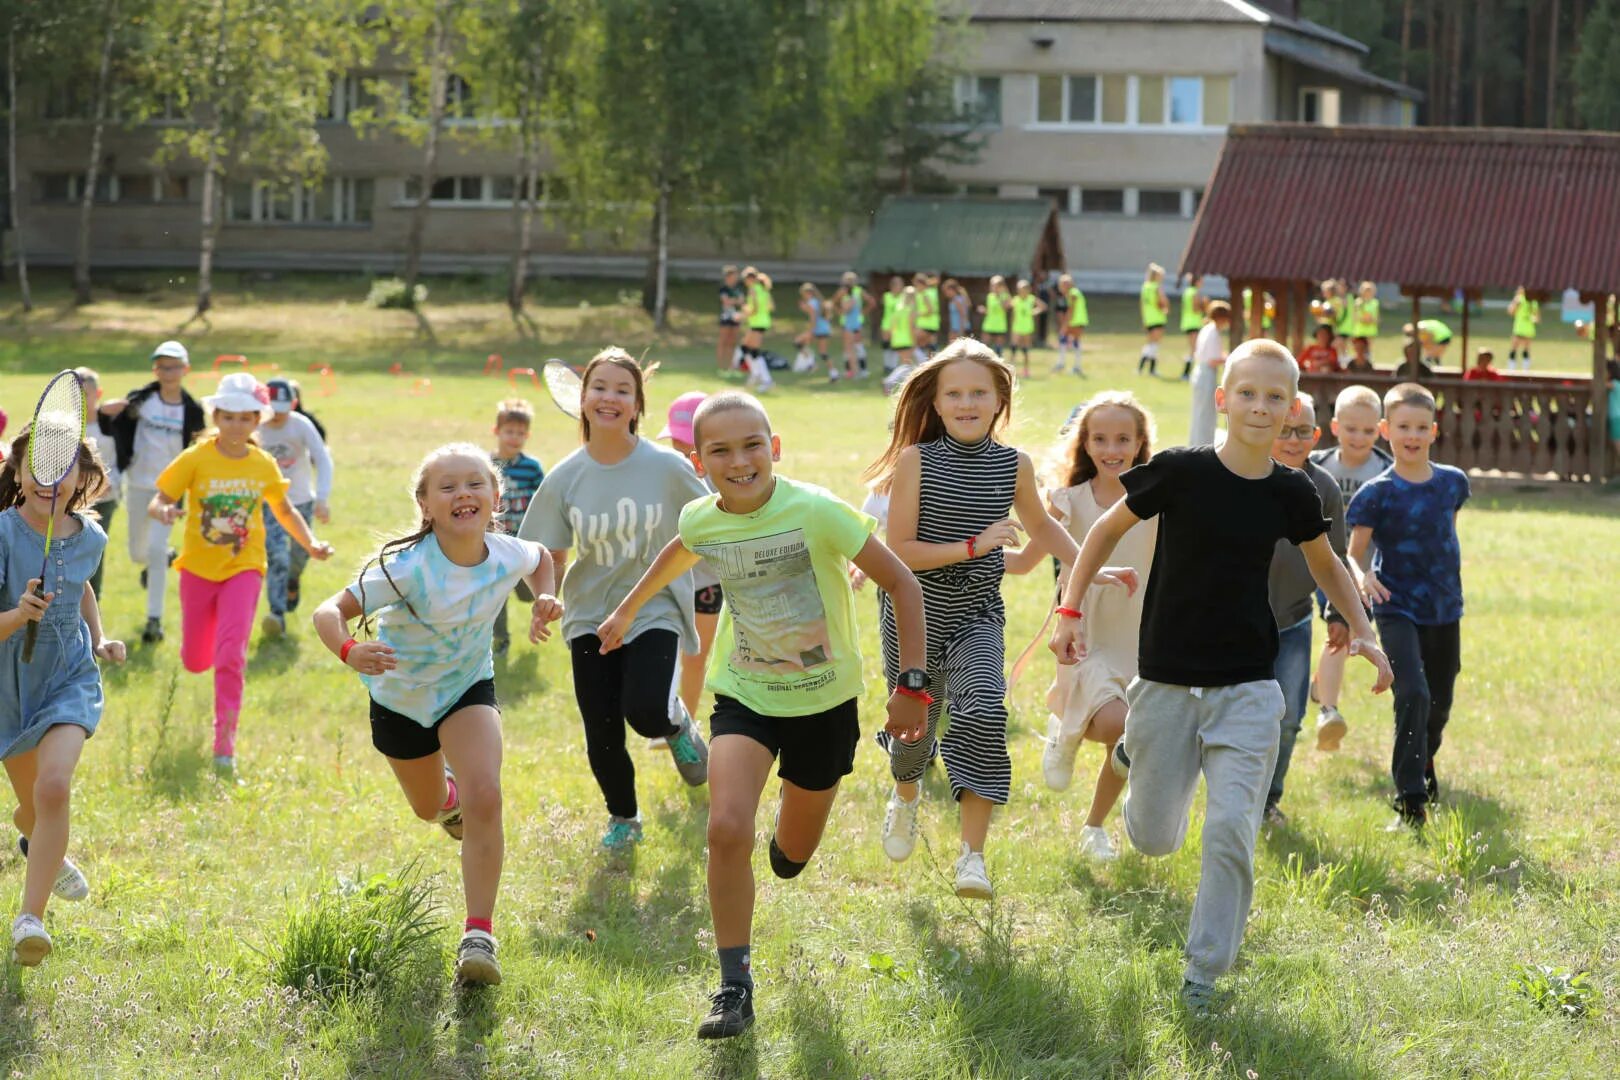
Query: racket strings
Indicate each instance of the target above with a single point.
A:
(58, 430)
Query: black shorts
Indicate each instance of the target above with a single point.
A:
(815, 751)
(730, 322)
(403, 739)
(524, 593)
(707, 600)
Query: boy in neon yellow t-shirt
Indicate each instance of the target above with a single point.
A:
(786, 670)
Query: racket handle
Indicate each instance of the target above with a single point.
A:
(31, 634)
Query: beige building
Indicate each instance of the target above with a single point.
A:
(1115, 109)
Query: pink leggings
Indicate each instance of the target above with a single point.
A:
(216, 618)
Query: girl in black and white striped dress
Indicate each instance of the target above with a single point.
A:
(952, 486)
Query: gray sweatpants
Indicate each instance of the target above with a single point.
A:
(1230, 734)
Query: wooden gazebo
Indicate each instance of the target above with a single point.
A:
(1439, 211)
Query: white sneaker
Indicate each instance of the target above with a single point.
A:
(1331, 728)
(1095, 844)
(70, 883)
(659, 743)
(900, 826)
(475, 960)
(1057, 760)
(29, 942)
(971, 879)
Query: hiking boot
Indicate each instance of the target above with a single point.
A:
(1095, 844)
(731, 1012)
(900, 826)
(475, 960)
(1198, 998)
(29, 942)
(622, 833)
(1331, 729)
(153, 632)
(972, 880)
(690, 752)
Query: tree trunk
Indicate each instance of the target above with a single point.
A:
(1431, 41)
(1528, 116)
(1454, 23)
(210, 229)
(81, 256)
(430, 151)
(656, 297)
(523, 213)
(1406, 38)
(11, 170)
(1552, 66)
(1481, 18)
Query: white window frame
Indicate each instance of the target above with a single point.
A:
(1329, 105)
(1132, 207)
(486, 199)
(966, 97)
(1133, 121)
(344, 204)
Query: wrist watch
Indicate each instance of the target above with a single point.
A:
(913, 679)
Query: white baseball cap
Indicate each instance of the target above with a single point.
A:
(172, 349)
(240, 392)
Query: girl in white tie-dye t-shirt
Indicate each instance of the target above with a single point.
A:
(433, 596)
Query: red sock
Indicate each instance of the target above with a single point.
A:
(486, 925)
(452, 797)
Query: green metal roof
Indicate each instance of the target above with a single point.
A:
(973, 237)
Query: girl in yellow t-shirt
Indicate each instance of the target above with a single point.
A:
(226, 479)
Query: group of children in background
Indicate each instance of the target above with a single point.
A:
(1176, 663)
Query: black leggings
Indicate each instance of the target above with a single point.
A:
(634, 683)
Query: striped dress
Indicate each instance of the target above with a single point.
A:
(965, 489)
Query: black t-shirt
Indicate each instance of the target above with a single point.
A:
(732, 314)
(1206, 619)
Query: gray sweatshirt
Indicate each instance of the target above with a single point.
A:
(1291, 584)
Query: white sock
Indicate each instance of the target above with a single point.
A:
(860, 351)
(1079, 344)
(1152, 350)
(1063, 353)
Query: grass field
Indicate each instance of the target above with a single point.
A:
(1368, 954)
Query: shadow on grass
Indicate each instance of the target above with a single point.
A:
(517, 675)
(1154, 913)
(820, 1046)
(735, 1059)
(400, 1029)
(17, 1042)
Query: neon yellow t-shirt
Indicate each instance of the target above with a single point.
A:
(901, 334)
(928, 310)
(1524, 318)
(889, 300)
(1364, 322)
(995, 313)
(1078, 316)
(787, 640)
(1191, 319)
(760, 317)
(1151, 315)
(1023, 315)
(224, 496)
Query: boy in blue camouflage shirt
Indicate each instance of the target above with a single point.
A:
(520, 479)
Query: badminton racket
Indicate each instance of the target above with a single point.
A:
(53, 446)
(562, 383)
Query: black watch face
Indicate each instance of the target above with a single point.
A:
(914, 679)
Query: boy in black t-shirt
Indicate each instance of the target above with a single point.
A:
(1205, 700)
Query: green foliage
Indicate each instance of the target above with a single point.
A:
(360, 935)
(393, 293)
(1597, 68)
(1558, 989)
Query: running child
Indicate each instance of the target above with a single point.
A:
(731, 305)
(952, 486)
(1205, 699)
(614, 503)
(993, 314)
(787, 675)
(958, 309)
(817, 329)
(1291, 591)
(227, 479)
(1192, 319)
(1414, 583)
(707, 594)
(150, 427)
(855, 305)
(1025, 307)
(903, 338)
(51, 705)
(1155, 313)
(296, 444)
(1526, 316)
(520, 479)
(891, 300)
(1072, 329)
(106, 507)
(1356, 459)
(429, 671)
(1112, 433)
(757, 308)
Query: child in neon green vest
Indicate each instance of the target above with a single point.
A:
(1526, 315)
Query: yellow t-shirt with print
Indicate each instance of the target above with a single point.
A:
(224, 496)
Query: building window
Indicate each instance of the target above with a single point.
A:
(981, 190)
(173, 188)
(1145, 100)
(59, 187)
(1150, 99)
(1319, 105)
(1116, 92)
(1102, 200)
(1083, 99)
(1158, 202)
(1217, 101)
(978, 98)
(1059, 197)
(337, 200)
(487, 191)
(348, 94)
(458, 96)
(1049, 99)
(1186, 101)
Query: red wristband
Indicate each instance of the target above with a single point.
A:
(1068, 612)
(921, 695)
(972, 541)
(343, 651)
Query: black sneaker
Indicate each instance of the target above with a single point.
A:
(1274, 817)
(153, 632)
(1409, 814)
(1431, 783)
(731, 1012)
(292, 594)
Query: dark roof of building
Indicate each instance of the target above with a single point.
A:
(1291, 46)
(1470, 208)
(1109, 11)
(972, 237)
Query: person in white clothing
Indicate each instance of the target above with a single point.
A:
(299, 447)
(1209, 354)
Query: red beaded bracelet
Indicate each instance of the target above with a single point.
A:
(1068, 612)
(343, 651)
(921, 695)
(972, 542)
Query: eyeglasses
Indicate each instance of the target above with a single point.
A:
(1303, 432)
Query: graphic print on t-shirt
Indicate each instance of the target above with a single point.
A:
(225, 513)
(607, 539)
(779, 623)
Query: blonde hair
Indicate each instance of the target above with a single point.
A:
(1352, 396)
(88, 375)
(1263, 349)
(1155, 272)
(1409, 393)
(514, 411)
(1077, 466)
(724, 402)
(915, 418)
(1306, 401)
